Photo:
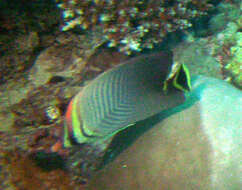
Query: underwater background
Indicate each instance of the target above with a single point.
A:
(50, 49)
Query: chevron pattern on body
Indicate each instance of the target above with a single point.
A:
(126, 94)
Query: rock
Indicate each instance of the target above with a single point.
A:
(6, 121)
(26, 43)
(66, 58)
(197, 146)
(198, 57)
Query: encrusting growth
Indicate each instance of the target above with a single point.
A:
(132, 25)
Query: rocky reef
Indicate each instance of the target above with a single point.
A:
(132, 25)
(42, 67)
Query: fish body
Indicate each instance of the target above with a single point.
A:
(122, 96)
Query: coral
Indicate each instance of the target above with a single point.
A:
(227, 12)
(35, 109)
(234, 66)
(227, 43)
(42, 17)
(21, 34)
(197, 56)
(20, 172)
(132, 25)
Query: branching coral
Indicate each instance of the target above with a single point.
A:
(132, 25)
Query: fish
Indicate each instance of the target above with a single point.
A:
(116, 100)
(133, 91)
(195, 145)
